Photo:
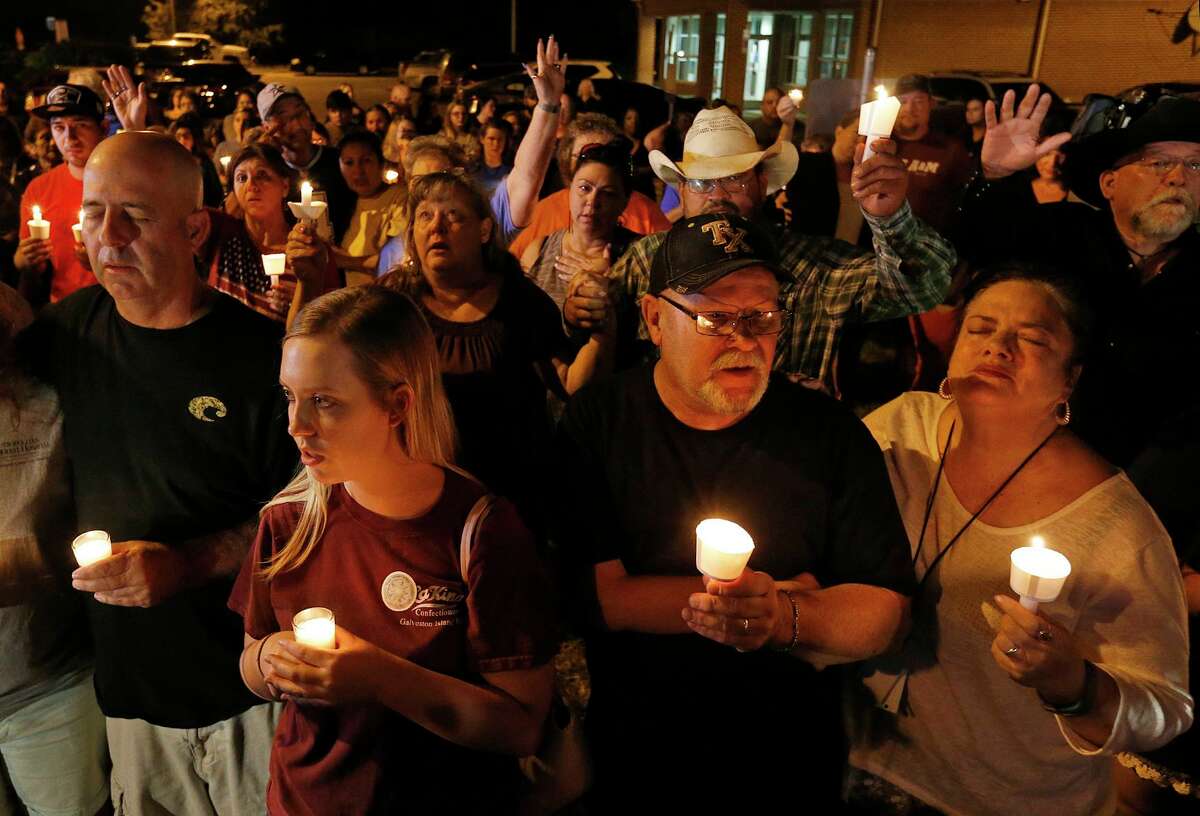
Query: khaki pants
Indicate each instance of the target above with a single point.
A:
(218, 770)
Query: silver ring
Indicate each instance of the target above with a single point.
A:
(118, 93)
(746, 624)
(1015, 650)
(1043, 634)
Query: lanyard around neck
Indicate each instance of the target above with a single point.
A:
(937, 480)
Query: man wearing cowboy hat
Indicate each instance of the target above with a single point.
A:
(1135, 249)
(57, 266)
(829, 282)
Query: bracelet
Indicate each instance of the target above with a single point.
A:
(795, 623)
(1081, 706)
(258, 657)
(550, 107)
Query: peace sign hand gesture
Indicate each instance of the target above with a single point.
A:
(131, 104)
(1011, 143)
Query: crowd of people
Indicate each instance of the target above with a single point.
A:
(484, 374)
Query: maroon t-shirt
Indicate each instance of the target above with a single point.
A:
(398, 585)
(938, 170)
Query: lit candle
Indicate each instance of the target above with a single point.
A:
(308, 208)
(722, 549)
(274, 265)
(38, 227)
(77, 229)
(1038, 573)
(225, 162)
(877, 118)
(796, 94)
(91, 547)
(391, 176)
(314, 627)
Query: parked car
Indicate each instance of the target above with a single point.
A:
(952, 89)
(162, 53)
(338, 60)
(213, 83)
(217, 50)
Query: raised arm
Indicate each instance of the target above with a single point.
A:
(130, 101)
(537, 147)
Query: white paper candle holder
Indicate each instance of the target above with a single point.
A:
(1038, 575)
(722, 549)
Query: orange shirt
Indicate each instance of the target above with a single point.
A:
(60, 195)
(553, 213)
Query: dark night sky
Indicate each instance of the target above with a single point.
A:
(600, 30)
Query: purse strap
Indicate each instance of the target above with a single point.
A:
(474, 518)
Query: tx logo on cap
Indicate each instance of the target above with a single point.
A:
(733, 239)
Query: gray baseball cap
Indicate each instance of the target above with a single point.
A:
(271, 94)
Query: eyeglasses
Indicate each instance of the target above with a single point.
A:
(730, 184)
(726, 323)
(1162, 165)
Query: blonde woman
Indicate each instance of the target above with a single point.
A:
(433, 677)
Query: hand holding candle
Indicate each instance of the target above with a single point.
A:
(877, 118)
(722, 549)
(77, 229)
(314, 627)
(1038, 573)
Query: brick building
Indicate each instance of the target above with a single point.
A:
(736, 48)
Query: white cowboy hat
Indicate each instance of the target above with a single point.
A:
(720, 144)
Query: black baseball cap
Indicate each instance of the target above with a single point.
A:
(701, 250)
(913, 82)
(71, 100)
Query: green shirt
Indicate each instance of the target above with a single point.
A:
(833, 283)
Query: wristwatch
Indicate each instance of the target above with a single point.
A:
(1084, 704)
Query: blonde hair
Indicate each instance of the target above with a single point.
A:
(392, 345)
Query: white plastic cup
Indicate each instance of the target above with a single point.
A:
(39, 229)
(92, 546)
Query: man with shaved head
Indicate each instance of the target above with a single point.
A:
(175, 431)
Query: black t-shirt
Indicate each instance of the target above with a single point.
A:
(172, 434)
(495, 371)
(802, 475)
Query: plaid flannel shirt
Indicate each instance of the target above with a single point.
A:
(833, 283)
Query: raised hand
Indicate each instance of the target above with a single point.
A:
(1011, 142)
(549, 75)
(130, 103)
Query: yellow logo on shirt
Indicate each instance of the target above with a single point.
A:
(207, 409)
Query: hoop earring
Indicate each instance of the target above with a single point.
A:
(1064, 417)
(944, 389)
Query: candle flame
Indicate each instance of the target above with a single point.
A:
(81, 217)
(306, 188)
(880, 92)
(1037, 541)
(392, 176)
(225, 160)
(796, 94)
(37, 213)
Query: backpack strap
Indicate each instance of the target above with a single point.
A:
(474, 518)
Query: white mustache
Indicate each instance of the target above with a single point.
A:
(107, 256)
(1181, 196)
(739, 359)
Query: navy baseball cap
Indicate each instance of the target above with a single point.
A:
(701, 250)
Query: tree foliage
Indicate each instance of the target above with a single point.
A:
(156, 16)
(233, 21)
